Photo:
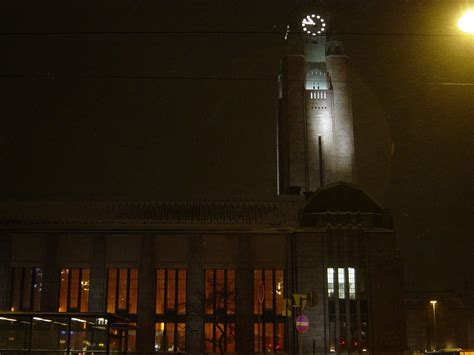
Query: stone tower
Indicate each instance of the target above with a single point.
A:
(315, 124)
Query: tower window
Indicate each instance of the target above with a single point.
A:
(341, 283)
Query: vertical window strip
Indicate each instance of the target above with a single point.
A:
(352, 283)
(341, 283)
(330, 279)
(26, 286)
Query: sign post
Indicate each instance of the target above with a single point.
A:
(302, 326)
(261, 298)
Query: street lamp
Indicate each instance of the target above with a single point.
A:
(466, 22)
(435, 335)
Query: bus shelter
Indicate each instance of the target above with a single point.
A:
(63, 333)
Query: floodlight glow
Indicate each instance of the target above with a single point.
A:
(466, 23)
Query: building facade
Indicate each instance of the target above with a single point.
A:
(223, 276)
(188, 273)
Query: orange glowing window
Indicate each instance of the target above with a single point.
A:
(74, 290)
(122, 288)
(219, 309)
(170, 291)
(269, 322)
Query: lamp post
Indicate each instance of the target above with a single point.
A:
(435, 330)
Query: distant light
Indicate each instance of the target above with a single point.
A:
(318, 16)
(313, 15)
(322, 20)
(322, 29)
(466, 23)
(324, 25)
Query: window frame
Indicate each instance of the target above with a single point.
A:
(79, 295)
(271, 315)
(117, 310)
(171, 315)
(32, 306)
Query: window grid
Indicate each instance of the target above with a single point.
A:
(122, 287)
(74, 290)
(330, 276)
(352, 283)
(26, 288)
(170, 308)
(271, 335)
(219, 309)
(341, 283)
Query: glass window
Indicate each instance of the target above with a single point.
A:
(330, 275)
(26, 287)
(74, 290)
(170, 337)
(170, 330)
(219, 309)
(122, 287)
(170, 291)
(269, 322)
(341, 283)
(352, 283)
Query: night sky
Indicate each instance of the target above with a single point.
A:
(178, 99)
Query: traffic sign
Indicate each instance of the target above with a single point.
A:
(261, 292)
(302, 323)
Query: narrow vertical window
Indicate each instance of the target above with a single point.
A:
(122, 287)
(26, 287)
(352, 283)
(219, 309)
(74, 290)
(170, 300)
(341, 283)
(269, 334)
(330, 276)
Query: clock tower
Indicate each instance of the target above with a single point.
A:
(315, 123)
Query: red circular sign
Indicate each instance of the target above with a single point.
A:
(261, 292)
(302, 323)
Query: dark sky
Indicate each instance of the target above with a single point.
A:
(178, 99)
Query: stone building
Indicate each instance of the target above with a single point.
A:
(221, 276)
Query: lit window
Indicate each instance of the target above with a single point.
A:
(26, 287)
(330, 282)
(352, 284)
(269, 333)
(219, 309)
(74, 290)
(170, 337)
(170, 291)
(122, 286)
(341, 283)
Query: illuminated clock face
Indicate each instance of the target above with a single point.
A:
(313, 25)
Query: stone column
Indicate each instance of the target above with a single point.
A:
(50, 293)
(194, 297)
(146, 297)
(98, 276)
(5, 252)
(244, 298)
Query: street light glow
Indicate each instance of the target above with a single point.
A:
(433, 302)
(466, 23)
